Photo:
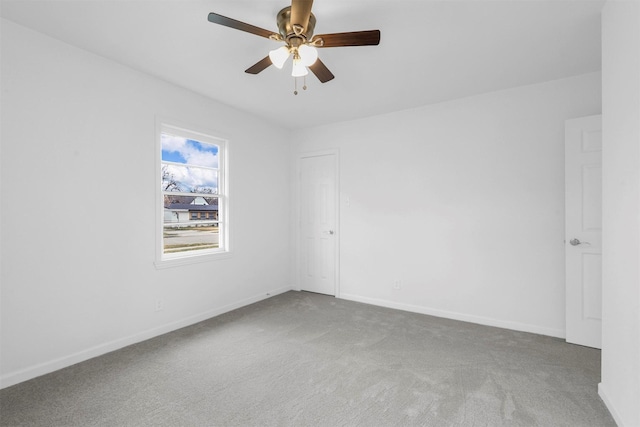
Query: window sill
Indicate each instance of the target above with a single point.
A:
(191, 259)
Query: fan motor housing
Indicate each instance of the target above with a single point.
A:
(286, 28)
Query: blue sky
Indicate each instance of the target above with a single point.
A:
(186, 151)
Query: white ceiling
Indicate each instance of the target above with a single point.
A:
(430, 51)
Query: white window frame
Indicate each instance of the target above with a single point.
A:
(173, 127)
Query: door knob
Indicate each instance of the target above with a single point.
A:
(576, 242)
(330, 232)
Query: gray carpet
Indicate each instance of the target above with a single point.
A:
(302, 359)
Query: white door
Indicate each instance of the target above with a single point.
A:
(318, 220)
(583, 225)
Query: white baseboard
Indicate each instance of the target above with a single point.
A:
(602, 392)
(487, 321)
(31, 372)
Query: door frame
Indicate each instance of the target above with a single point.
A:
(298, 215)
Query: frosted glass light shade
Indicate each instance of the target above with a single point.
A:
(308, 54)
(299, 69)
(279, 56)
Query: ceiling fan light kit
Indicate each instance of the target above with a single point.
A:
(279, 56)
(308, 55)
(296, 24)
(298, 69)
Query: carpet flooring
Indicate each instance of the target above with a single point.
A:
(302, 359)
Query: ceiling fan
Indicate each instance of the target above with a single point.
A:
(295, 28)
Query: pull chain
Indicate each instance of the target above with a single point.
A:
(295, 84)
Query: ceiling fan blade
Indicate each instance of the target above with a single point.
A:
(356, 38)
(300, 13)
(239, 25)
(259, 66)
(321, 71)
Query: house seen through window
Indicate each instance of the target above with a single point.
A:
(192, 186)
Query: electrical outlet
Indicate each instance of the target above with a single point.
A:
(159, 305)
(397, 285)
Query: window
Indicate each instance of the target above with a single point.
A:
(193, 195)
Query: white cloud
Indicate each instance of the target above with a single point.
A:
(200, 154)
(191, 178)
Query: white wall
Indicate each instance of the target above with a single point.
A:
(620, 386)
(461, 201)
(78, 143)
